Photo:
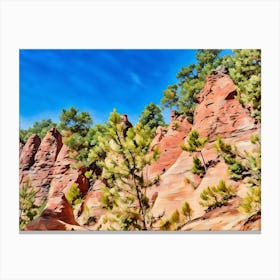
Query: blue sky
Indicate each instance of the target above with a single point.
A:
(96, 81)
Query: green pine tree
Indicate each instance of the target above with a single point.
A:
(124, 181)
(40, 128)
(245, 166)
(246, 73)
(191, 79)
(27, 207)
(75, 122)
(152, 117)
(196, 144)
(216, 196)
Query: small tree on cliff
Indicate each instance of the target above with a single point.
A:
(195, 144)
(75, 122)
(28, 209)
(245, 166)
(191, 79)
(124, 181)
(246, 73)
(152, 117)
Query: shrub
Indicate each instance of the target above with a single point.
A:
(197, 167)
(196, 144)
(27, 207)
(251, 203)
(175, 125)
(216, 196)
(186, 210)
(74, 195)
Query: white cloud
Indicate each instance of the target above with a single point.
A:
(135, 78)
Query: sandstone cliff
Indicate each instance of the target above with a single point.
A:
(47, 165)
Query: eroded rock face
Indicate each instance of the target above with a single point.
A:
(217, 114)
(169, 141)
(40, 174)
(58, 213)
(28, 152)
(47, 166)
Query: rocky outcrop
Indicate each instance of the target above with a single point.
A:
(217, 114)
(169, 141)
(40, 173)
(48, 166)
(28, 152)
(58, 215)
(51, 175)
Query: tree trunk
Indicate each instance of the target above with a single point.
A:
(204, 164)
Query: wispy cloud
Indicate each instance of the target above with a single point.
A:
(135, 78)
(94, 80)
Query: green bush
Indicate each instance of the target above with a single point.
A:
(197, 167)
(216, 196)
(74, 195)
(186, 210)
(28, 209)
(251, 203)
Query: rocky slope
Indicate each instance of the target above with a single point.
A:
(47, 166)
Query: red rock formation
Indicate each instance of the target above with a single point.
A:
(169, 142)
(58, 212)
(28, 152)
(218, 113)
(55, 216)
(40, 174)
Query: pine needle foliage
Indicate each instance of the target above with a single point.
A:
(177, 219)
(245, 166)
(72, 120)
(186, 210)
(251, 203)
(216, 196)
(197, 167)
(40, 128)
(74, 195)
(27, 207)
(191, 79)
(152, 117)
(195, 143)
(246, 74)
(242, 165)
(124, 178)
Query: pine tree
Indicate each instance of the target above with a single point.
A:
(124, 179)
(196, 144)
(186, 210)
(27, 207)
(191, 79)
(216, 196)
(71, 120)
(40, 128)
(197, 167)
(246, 73)
(85, 149)
(245, 166)
(152, 117)
(170, 97)
(176, 221)
(251, 203)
